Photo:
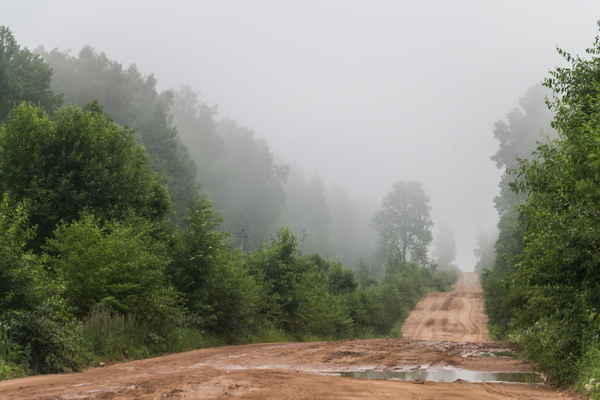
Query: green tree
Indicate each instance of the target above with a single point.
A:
(116, 266)
(556, 283)
(23, 77)
(518, 136)
(281, 269)
(403, 223)
(79, 161)
(363, 274)
(133, 100)
(213, 279)
(42, 333)
(508, 247)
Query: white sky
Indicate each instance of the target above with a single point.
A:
(365, 92)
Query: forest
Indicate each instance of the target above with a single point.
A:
(134, 223)
(540, 271)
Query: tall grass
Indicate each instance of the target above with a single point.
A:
(114, 337)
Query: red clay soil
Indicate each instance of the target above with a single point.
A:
(446, 330)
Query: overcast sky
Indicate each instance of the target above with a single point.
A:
(365, 92)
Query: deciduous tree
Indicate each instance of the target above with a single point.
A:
(24, 76)
(403, 223)
(79, 161)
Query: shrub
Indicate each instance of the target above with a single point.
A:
(37, 330)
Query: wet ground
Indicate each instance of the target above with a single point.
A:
(446, 332)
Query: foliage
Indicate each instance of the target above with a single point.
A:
(547, 293)
(111, 279)
(403, 223)
(518, 136)
(509, 246)
(363, 274)
(23, 77)
(80, 161)
(196, 252)
(558, 274)
(133, 100)
(36, 329)
(117, 266)
(280, 269)
(110, 336)
(589, 365)
(212, 277)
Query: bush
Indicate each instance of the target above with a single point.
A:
(589, 371)
(214, 281)
(119, 267)
(37, 332)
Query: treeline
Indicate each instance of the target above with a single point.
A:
(542, 290)
(110, 251)
(191, 149)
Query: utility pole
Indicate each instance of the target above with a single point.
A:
(242, 236)
(304, 236)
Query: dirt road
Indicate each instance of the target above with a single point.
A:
(446, 331)
(457, 316)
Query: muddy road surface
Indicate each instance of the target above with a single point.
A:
(446, 331)
(457, 316)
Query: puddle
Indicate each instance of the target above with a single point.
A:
(507, 354)
(448, 375)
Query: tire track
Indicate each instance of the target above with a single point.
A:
(454, 316)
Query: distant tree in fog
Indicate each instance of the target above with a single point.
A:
(403, 223)
(319, 217)
(444, 247)
(252, 197)
(350, 217)
(485, 250)
(517, 137)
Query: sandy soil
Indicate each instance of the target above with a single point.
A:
(446, 330)
(457, 316)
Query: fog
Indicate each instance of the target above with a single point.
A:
(367, 93)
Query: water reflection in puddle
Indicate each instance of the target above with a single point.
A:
(448, 375)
